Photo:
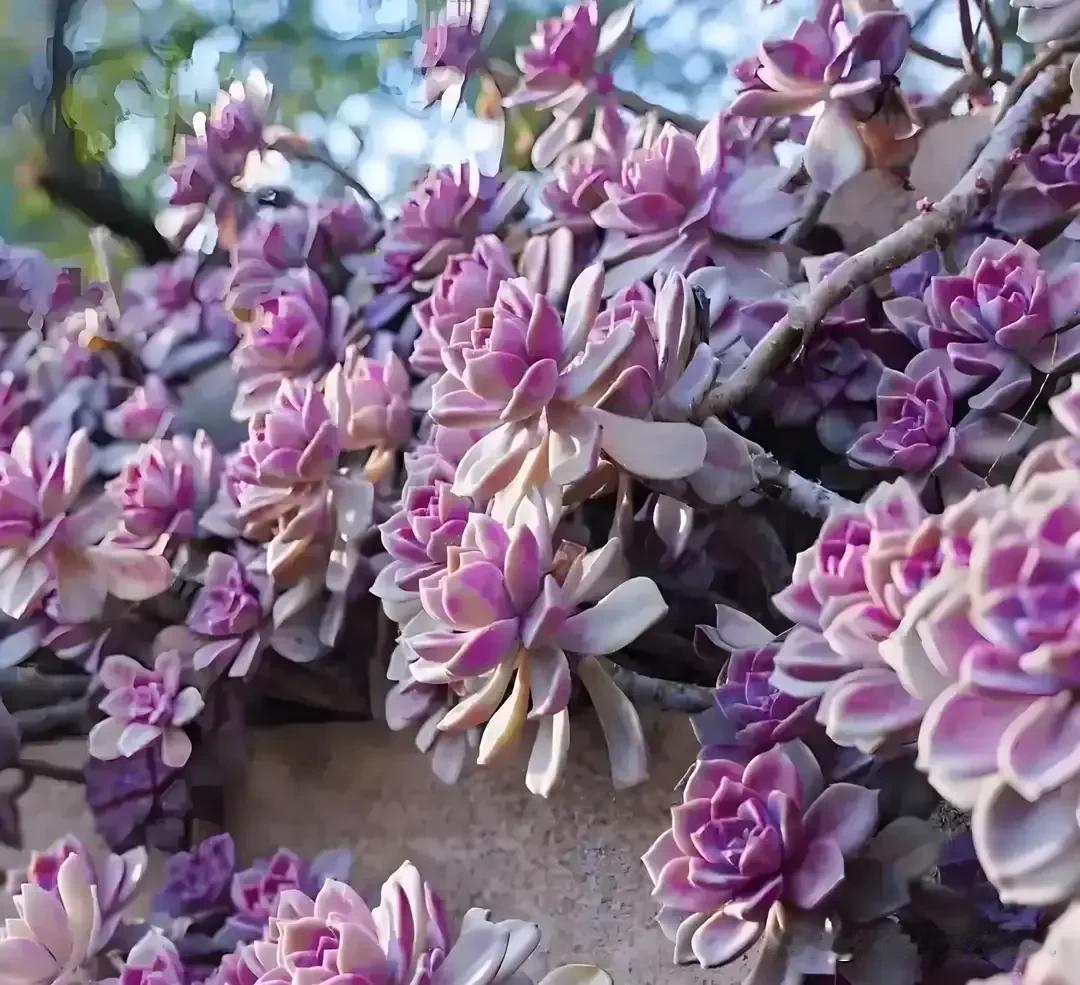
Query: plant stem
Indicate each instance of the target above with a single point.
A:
(310, 155)
(669, 695)
(983, 180)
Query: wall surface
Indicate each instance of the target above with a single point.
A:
(571, 863)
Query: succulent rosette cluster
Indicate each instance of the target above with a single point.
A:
(836, 74)
(555, 392)
(747, 838)
(681, 203)
(988, 327)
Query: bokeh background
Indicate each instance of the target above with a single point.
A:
(343, 74)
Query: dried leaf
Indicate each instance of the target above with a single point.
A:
(946, 150)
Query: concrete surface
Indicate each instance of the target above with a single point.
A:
(570, 863)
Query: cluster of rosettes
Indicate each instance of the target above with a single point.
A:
(280, 921)
(960, 630)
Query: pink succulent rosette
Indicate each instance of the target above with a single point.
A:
(405, 940)
(681, 203)
(418, 538)
(566, 69)
(544, 385)
(833, 73)
(583, 171)
(469, 282)
(54, 931)
(751, 714)
(293, 336)
(115, 881)
(997, 320)
(227, 626)
(51, 541)
(145, 706)
(750, 837)
(164, 489)
(857, 597)
(369, 401)
(503, 615)
(443, 215)
(450, 49)
(1000, 644)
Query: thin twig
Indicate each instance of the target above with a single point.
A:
(933, 55)
(669, 695)
(972, 60)
(310, 155)
(981, 182)
(637, 104)
(815, 205)
(994, 31)
(50, 771)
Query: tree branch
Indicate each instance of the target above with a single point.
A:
(669, 695)
(637, 104)
(293, 149)
(87, 188)
(983, 179)
(933, 55)
(795, 491)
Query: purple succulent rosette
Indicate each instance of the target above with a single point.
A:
(834, 73)
(566, 69)
(449, 50)
(197, 882)
(750, 837)
(751, 714)
(681, 203)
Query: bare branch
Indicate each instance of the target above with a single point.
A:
(795, 491)
(933, 55)
(1031, 72)
(669, 695)
(309, 154)
(983, 179)
(87, 188)
(636, 104)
